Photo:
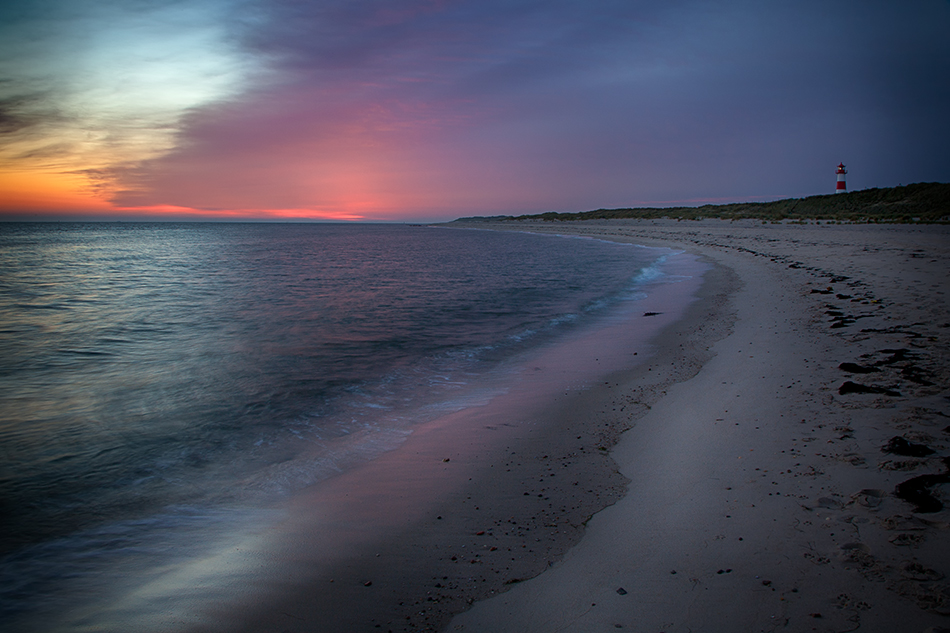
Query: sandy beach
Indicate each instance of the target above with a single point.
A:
(794, 482)
(771, 457)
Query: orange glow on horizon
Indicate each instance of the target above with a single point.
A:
(47, 195)
(38, 191)
(237, 214)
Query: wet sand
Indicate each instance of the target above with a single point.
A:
(792, 476)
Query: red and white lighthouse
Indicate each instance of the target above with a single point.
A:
(841, 187)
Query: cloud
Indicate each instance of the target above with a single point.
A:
(383, 109)
(107, 83)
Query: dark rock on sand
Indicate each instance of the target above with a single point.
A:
(900, 446)
(853, 387)
(917, 490)
(854, 368)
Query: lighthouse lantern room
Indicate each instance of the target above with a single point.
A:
(841, 187)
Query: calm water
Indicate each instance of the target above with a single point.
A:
(156, 380)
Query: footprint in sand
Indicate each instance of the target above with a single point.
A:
(913, 570)
(869, 497)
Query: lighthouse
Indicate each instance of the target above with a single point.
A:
(841, 187)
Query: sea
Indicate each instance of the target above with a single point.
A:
(162, 383)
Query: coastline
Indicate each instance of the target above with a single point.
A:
(762, 489)
(728, 450)
(482, 499)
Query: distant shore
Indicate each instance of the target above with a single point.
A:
(797, 481)
(922, 202)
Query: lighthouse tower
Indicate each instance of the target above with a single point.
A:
(841, 187)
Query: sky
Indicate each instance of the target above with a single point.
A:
(426, 110)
